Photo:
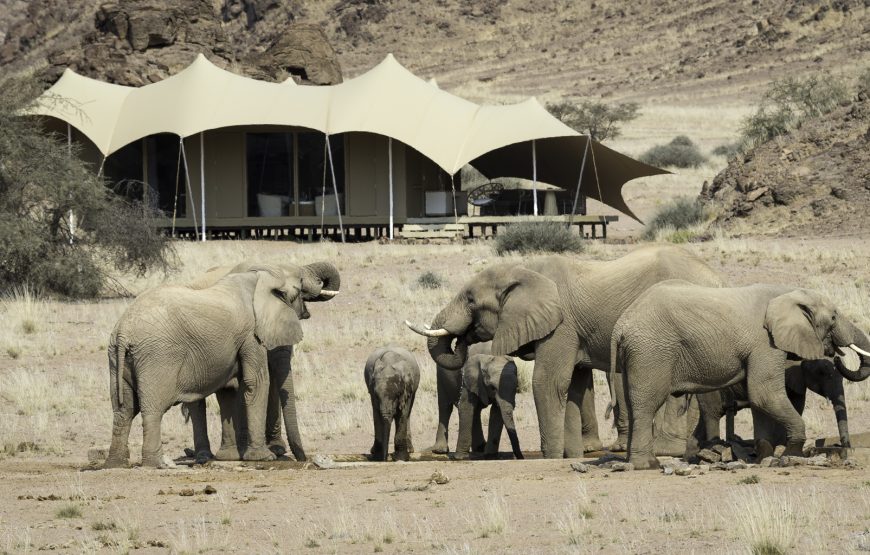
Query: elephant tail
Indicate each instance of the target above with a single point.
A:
(116, 377)
(614, 349)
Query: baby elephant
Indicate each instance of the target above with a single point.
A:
(488, 380)
(392, 377)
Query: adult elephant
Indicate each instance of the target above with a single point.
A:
(560, 312)
(178, 344)
(319, 281)
(680, 338)
(820, 376)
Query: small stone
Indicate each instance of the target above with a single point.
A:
(186, 492)
(819, 460)
(727, 455)
(683, 470)
(209, 490)
(668, 470)
(718, 448)
(580, 467)
(793, 461)
(735, 465)
(719, 466)
(323, 461)
(439, 478)
(778, 450)
(709, 455)
(622, 467)
(168, 462)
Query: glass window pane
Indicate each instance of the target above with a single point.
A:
(123, 170)
(270, 174)
(314, 173)
(167, 190)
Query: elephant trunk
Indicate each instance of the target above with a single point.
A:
(847, 336)
(440, 348)
(386, 425)
(280, 367)
(326, 276)
(466, 423)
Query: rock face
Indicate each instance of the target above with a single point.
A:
(813, 181)
(135, 42)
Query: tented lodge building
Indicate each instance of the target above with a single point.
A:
(216, 152)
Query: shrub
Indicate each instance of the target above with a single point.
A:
(679, 214)
(597, 119)
(526, 237)
(863, 85)
(681, 152)
(430, 280)
(727, 150)
(40, 184)
(790, 102)
(69, 511)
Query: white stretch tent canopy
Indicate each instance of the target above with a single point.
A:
(388, 100)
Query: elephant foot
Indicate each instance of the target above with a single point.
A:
(278, 448)
(592, 444)
(763, 449)
(154, 460)
(228, 453)
(113, 462)
(479, 448)
(203, 457)
(299, 454)
(648, 462)
(794, 449)
(438, 449)
(621, 444)
(669, 447)
(258, 454)
(460, 456)
(401, 456)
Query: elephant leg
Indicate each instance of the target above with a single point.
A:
(198, 419)
(496, 423)
(231, 434)
(767, 394)
(378, 422)
(448, 382)
(122, 419)
(408, 441)
(255, 377)
(152, 448)
(763, 432)
(620, 415)
(478, 440)
(469, 412)
(729, 425)
(588, 416)
(837, 396)
(645, 397)
(403, 433)
(671, 427)
(273, 423)
(554, 367)
(281, 373)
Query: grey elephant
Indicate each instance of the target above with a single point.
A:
(449, 384)
(320, 281)
(488, 380)
(680, 338)
(560, 312)
(820, 376)
(392, 377)
(176, 344)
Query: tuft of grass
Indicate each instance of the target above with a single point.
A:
(530, 237)
(69, 511)
(751, 479)
(768, 520)
(679, 215)
(104, 525)
(681, 152)
(430, 280)
(727, 150)
(493, 519)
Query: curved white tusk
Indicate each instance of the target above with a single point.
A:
(424, 330)
(328, 293)
(859, 350)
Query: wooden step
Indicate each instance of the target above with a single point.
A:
(433, 231)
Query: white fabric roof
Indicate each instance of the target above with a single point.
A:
(388, 100)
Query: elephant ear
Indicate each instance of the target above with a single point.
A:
(276, 322)
(789, 319)
(529, 311)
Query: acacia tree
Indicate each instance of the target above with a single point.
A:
(40, 184)
(599, 120)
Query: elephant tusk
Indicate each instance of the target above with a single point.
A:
(859, 350)
(328, 293)
(424, 330)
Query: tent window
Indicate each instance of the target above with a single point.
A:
(311, 165)
(270, 174)
(166, 189)
(124, 172)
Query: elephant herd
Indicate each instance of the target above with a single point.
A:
(679, 348)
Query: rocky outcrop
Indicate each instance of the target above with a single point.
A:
(136, 42)
(816, 180)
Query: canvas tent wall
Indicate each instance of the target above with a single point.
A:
(204, 101)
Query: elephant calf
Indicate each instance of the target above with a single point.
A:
(820, 376)
(488, 380)
(392, 377)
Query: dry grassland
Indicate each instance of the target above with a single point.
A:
(54, 406)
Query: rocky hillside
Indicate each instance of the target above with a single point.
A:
(670, 50)
(814, 181)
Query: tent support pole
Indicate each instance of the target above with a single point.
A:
(72, 216)
(175, 199)
(323, 191)
(334, 187)
(100, 171)
(453, 191)
(534, 179)
(202, 182)
(390, 162)
(189, 189)
(579, 182)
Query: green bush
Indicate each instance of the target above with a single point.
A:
(40, 184)
(727, 150)
(681, 152)
(430, 280)
(527, 237)
(790, 102)
(597, 119)
(679, 214)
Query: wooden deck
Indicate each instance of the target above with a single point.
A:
(373, 228)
